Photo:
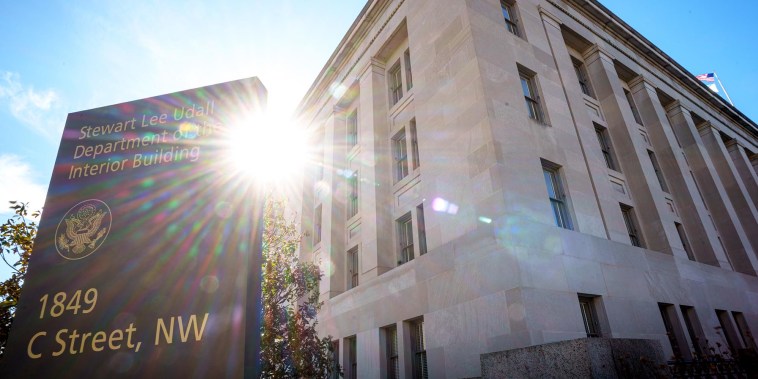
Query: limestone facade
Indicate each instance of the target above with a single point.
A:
(496, 175)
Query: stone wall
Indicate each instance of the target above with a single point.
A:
(580, 358)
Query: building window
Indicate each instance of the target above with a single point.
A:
(685, 242)
(408, 73)
(530, 96)
(673, 330)
(352, 268)
(581, 76)
(352, 197)
(405, 238)
(396, 83)
(605, 146)
(694, 329)
(414, 144)
(393, 362)
(556, 195)
(509, 16)
(633, 106)
(400, 155)
(421, 225)
(589, 315)
(658, 172)
(352, 129)
(744, 330)
(418, 349)
(317, 225)
(631, 225)
(351, 358)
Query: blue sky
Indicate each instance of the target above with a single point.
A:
(60, 56)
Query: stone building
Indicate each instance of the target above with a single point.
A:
(502, 174)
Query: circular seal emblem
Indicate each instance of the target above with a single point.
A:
(83, 229)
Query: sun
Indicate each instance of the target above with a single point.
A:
(269, 150)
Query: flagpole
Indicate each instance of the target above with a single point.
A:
(722, 87)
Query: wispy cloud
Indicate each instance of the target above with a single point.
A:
(39, 110)
(18, 182)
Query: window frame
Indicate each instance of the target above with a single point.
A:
(353, 195)
(317, 224)
(408, 70)
(351, 128)
(633, 107)
(531, 96)
(589, 314)
(658, 172)
(392, 352)
(632, 228)
(508, 12)
(418, 350)
(557, 196)
(585, 85)
(416, 162)
(400, 155)
(395, 83)
(606, 148)
(353, 268)
(406, 250)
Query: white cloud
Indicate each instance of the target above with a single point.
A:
(18, 182)
(39, 110)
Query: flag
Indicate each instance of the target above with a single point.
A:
(705, 77)
(709, 80)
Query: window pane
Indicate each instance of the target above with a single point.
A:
(400, 155)
(408, 73)
(395, 83)
(352, 129)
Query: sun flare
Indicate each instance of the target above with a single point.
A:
(267, 149)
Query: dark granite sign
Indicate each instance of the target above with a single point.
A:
(147, 262)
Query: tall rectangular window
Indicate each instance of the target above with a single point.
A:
(352, 197)
(335, 360)
(658, 172)
(589, 316)
(352, 129)
(421, 229)
(605, 146)
(509, 16)
(581, 76)
(631, 226)
(351, 359)
(693, 328)
(685, 242)
(405, 238)
(557, 196)
(742, 327)
(400, 155)
(418, 349)
(352, 268)
(396, 83)
(408, 73)
(668, 313)
(393, 362)
(414, 144)
(633, 106)
(531, 99)
(317, 225)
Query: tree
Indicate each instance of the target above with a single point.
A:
(16, 240)
(290, 346)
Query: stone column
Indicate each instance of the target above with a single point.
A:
(604, 208)
(702, 236)
(631, 151)
(671, 164)
(731, 181)
(368, 349)
(744, 168)
(332, 246)
(377, 248)
(724, 218)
